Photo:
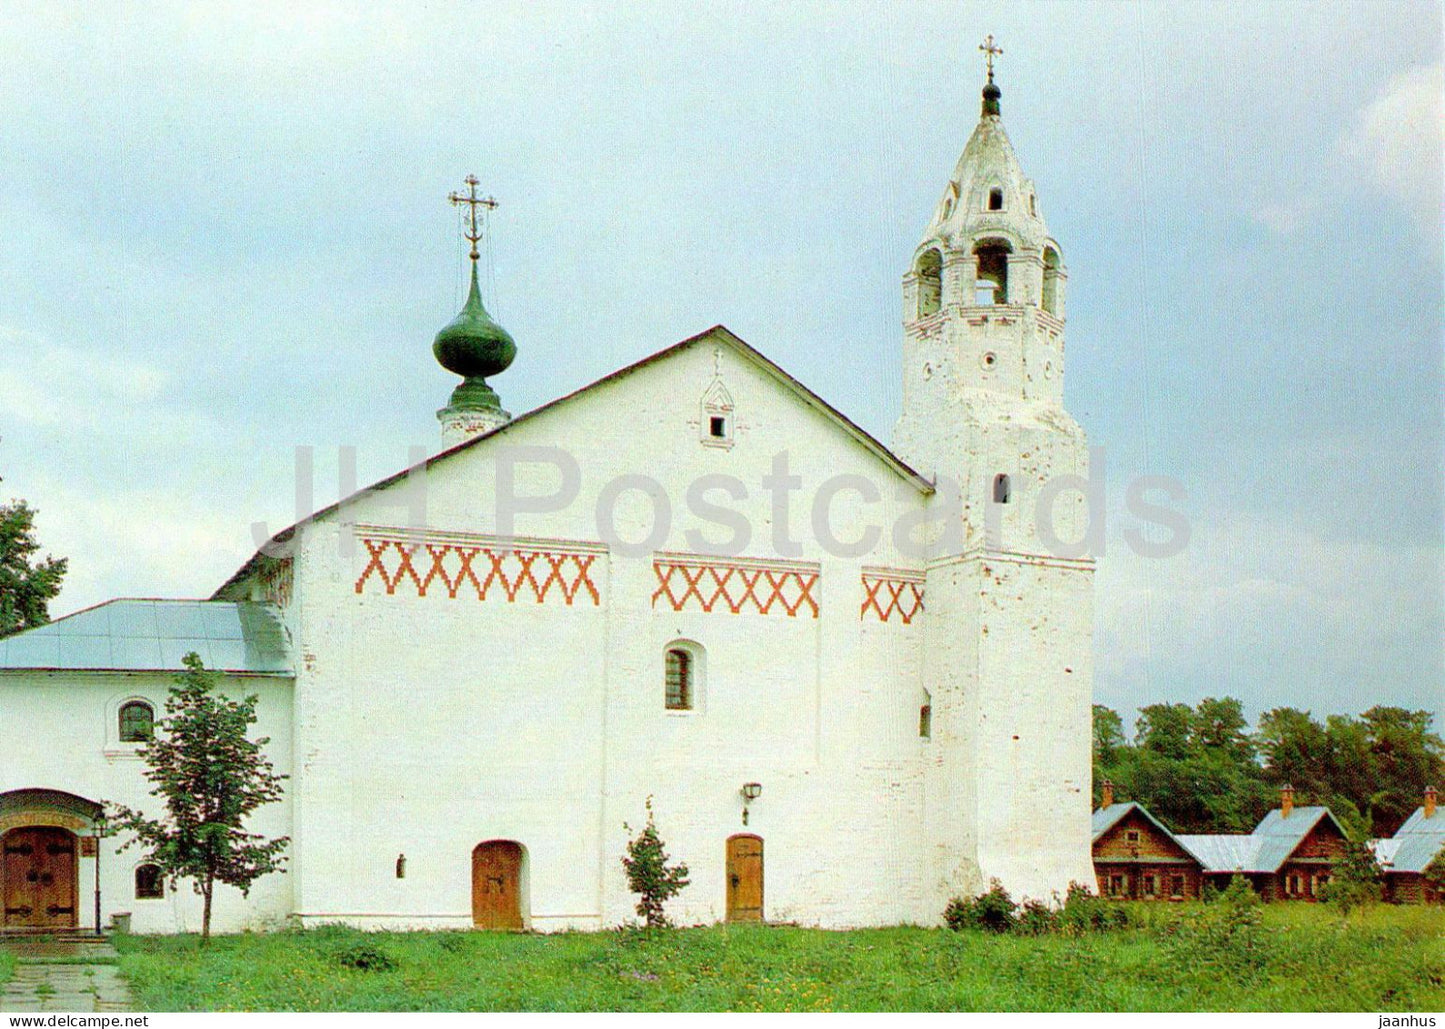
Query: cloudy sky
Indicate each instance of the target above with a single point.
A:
(223, 235)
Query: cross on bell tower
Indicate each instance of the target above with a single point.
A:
(991, 92)
(990, 52)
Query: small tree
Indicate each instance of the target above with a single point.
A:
(649, 875)
(26, 586)
(211, 776)
(1356, 878)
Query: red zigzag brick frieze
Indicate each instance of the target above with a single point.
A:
(889, 591)
(481, 568)
(711, 584)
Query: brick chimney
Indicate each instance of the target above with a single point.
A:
(1107, 798)
(1430, 796)
(1286, 800)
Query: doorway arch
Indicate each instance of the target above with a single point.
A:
(499, 885)
(39, 878)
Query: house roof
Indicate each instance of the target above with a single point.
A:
(1107, 817)
(1416, 843)
(1221, 852)
(1274, 839)
(153, 636)
(717, 334)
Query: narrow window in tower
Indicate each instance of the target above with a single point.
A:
(930, 282)
(925, 717)
(1050, 299)
(1000, 489)
(995, 199)
(718, 427)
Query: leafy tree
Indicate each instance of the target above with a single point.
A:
(1406, 756)
(1164, 729)
(1108, 733)
(649, 875)
(27, 585)
(1355, 880)
(1295, 749)
(1218, 725)
(210, 776)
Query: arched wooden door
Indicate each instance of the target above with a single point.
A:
(745, 878)
(37, 878)
(497, 885)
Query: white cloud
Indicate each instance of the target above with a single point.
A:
(46, 383)
(1397, 139)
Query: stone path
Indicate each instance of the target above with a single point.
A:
(58, 975)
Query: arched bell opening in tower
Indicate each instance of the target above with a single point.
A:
(930, 282)
(1050, 299)
(992, 284)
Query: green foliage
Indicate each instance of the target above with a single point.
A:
(27, 585)
(1389, 958)
(1084, 911)
(1035, 918)
(210, 777)
(992, 911)
(649, 875)
(1355, 880)
(1226, 935)
(366, 957)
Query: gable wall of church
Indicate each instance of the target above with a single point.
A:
(438, 707)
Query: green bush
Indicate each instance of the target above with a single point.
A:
(1227, 934)
(366, 957)
(649, 875)
(1035, 918)
(993, 911)
(1085, 912)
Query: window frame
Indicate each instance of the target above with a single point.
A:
(695, 657)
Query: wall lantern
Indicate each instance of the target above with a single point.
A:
(751, 791)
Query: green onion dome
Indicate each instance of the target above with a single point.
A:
(474, 346)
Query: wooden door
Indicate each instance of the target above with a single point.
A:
(497, 885)
(37, 869)
(745, 879)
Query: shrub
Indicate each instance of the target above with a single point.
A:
(1226, 934)
(366, 957)
(1084, 912)
(993, 911)
(1035, 918)
(1356, 881)
(649, 875)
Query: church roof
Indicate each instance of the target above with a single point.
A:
(718, 334)
(153, 636)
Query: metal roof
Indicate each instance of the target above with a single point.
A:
(1417, 842)
(1223, 852)
(153, 636)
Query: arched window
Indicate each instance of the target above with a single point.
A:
(930, 282)
(680, 679)
(1000, 489)
(137, 721)
(149, 883)
(992, 285)
(995, 199)
(1050, 299)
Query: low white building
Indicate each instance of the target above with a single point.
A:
(855, 681)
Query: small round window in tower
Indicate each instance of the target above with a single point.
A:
(988, 360)
(1048, 369)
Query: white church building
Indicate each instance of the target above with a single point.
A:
(854, 679)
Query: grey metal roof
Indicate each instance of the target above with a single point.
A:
(1282, 835)
(1107, 817)
(1223, 852)
(1417, 842)
(153, 636)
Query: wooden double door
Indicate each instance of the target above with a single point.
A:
(745, 878)
(497, 885)
(38, 878)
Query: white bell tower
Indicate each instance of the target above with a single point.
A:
(1010, 596)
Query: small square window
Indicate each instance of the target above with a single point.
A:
(717, 427)
(1132, 835)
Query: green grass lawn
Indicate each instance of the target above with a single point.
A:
(1302, 957)
(7, 966)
